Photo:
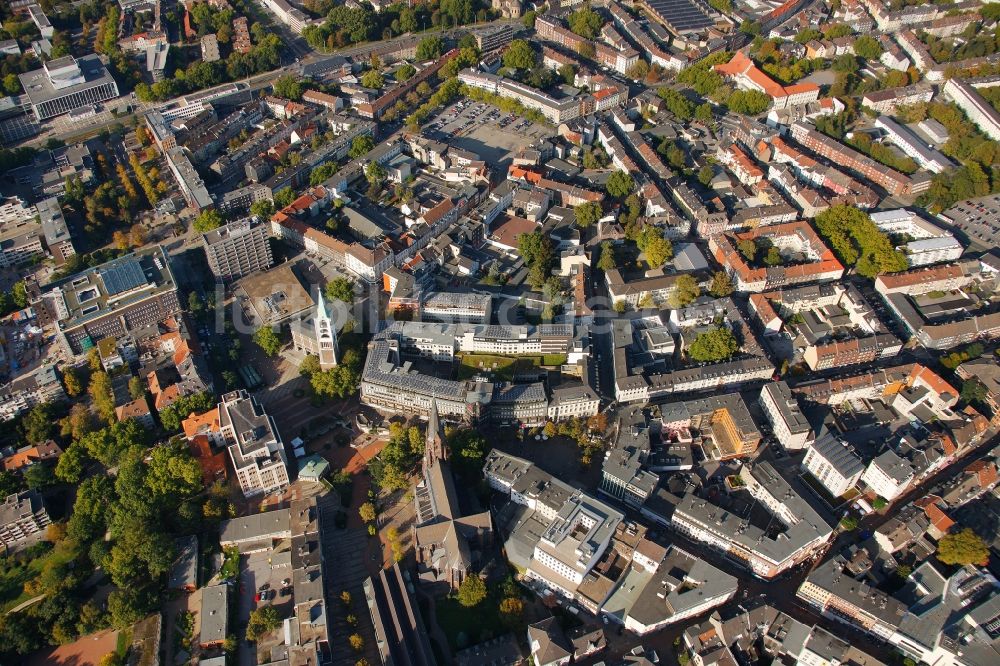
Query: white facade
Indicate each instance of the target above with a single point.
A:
(887, 476)
(782, 411)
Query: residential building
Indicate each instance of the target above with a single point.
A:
(888, 475)
(914, 147)
(454, 307)
(887, 101)
(764, 553)
(28, 390)
(816, 262)
(23, 518)
(888, 179)
(975, 106)
(238, 248)
(927, 243)
(214, 616)
(551, 645)
(833, 463)
(67, 83)
(834, 592)
(787, 421)
(255, 447)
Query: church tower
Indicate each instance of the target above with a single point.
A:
(326, 336)
(434, 446)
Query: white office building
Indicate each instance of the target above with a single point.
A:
(787, 421)
(833, 463)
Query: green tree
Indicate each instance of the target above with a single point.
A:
(963, 547)
(676, 103)
(262, 621)
(19, 293)
(704, 113)
(283, 197)
(263, 209)
(472, 591)
(289, 87)
(658, 250)
(973, 390)
(101, 393)
(585, 22)
(857, 242)
(430, 48)
(136, 388)
(519, 55)
(715, 345)
(607, 260)
(341, 289)
(867, 47)
(268, 340)
(310, 365)
(173, 472)
(367, 512)
(9, 483)
(373, 79)
(748, 102)
(705, 175)
(376, 174)
(722, 284)
(207, 221)
(587, 214)
(405, 72)
(849, 523)
(360, 145)
(37, 424)
(619, 185)
(567, 73)
(39, 476)
(71, 463)
(686, 291)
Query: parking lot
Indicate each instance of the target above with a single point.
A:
(486, 131)
(265, 579)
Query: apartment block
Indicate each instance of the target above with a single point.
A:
(22, 517)
(787, 421)
(833, 463)
(239, 248)
(255, 446)
(888, 179)
(834, 592)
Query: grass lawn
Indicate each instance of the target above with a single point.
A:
(17, 570)
(503, 367)
(469, 626)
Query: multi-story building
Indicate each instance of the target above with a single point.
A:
(747, 76)
(238, 248)
(975, 107)
(110, 300)
(576, 528)
(888, 179)
(764, 553)
(927, 242)
(793, 238)
(455, 307)
(914, 147)
(833, 463)
(788, 422)
(22, 517)
(494, 38)
(887, 101)
(288, 14)
(255, 447)
(624, 473)
(573, 402)
(191, 185)
(835, 593)
(888, 475)
(67, 83)
(55, 230)
(25, 392)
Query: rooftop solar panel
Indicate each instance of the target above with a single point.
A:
(122, 277)
(681, 14)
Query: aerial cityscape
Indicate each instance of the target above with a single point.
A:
(499, 333)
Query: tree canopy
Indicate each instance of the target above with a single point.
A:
(717, 344)
(585, 22)
(620, 184)
(587, 214)
(963, 547)
(857, 242)
(472, 591)
(519, 55)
